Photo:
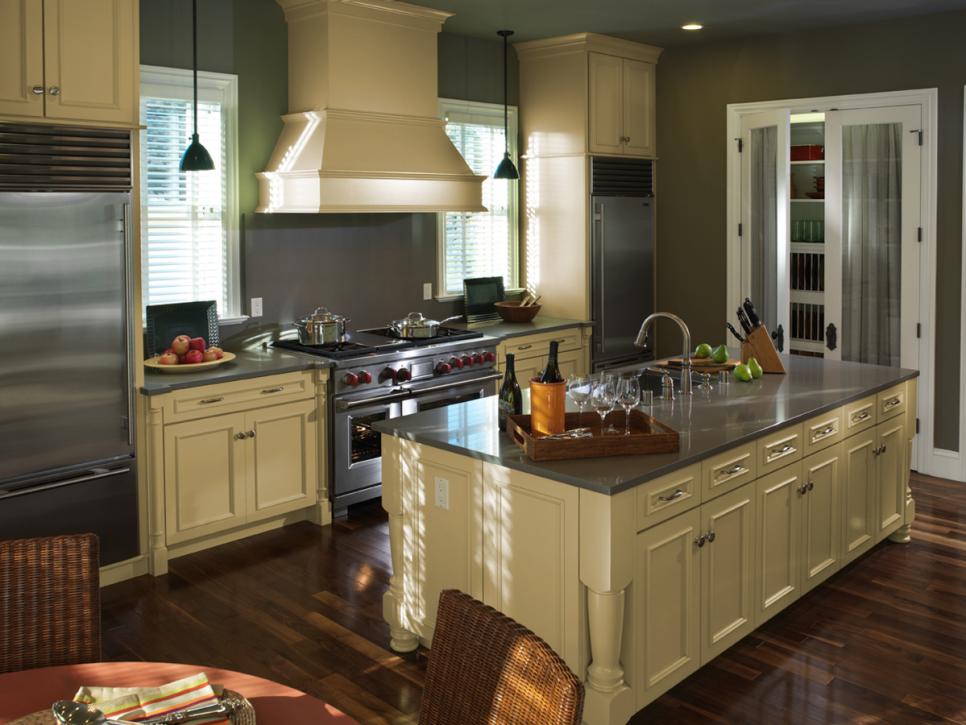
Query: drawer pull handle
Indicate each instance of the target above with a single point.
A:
(209, 401)
(776, 452)
(859, 417)
(826, 431)
(269, 391)
(700, 540)
(892, 402)
(710, 537)
(678, 493)
(524, 347)
(733, 471)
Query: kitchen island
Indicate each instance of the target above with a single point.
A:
(639, 569)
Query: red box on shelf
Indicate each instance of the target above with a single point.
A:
(812, 152)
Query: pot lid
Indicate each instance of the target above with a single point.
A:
(322, 314)
(415, 321)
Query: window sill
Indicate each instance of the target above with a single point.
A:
(233, 320)
(454, 298)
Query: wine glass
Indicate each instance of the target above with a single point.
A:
(628, 395)
(579, 389)
(603, 398)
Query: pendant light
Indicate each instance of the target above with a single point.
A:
(506, 169)
(196, 156)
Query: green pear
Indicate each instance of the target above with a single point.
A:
(720, 354)
(755, 368)
(702, 351)
(742, 373)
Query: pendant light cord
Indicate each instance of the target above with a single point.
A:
(194, 65)
(506, 108)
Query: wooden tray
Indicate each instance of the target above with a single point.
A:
(700, 365)
(647, 436)
(152, 364)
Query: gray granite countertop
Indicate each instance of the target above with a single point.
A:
(252, 362)
(708, 423)
(502, 330)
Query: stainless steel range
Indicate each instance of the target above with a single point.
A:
(377, 376)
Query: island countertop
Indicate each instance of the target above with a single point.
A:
(708, 423)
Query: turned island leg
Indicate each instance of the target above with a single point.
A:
(394, 609)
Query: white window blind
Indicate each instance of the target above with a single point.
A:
(480, 244)
(187, 218)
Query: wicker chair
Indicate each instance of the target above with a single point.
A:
(50, 610)
(486, 668)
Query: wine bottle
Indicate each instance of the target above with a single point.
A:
(551, 373)
(511, 398)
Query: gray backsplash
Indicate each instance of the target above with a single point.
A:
(368, 267)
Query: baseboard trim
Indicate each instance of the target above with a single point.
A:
(943, 463)
(123, 570)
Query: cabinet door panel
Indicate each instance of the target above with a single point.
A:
(605, 104)
(571, 363)
(284, 458)
(667, 610)
(90, 56)
(727, 581)
(21, 57)
(528, 367)
(859, 494)
(821, 516)
(204, 477)
(779, 540)
(638, 108)
(530, 547)
(891, 477)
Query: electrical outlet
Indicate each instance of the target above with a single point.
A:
(442, 493)
(256, 307)
(427, 290)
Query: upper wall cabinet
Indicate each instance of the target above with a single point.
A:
(588, 93)
(69, 60)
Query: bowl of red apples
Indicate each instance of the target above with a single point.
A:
(188, 354)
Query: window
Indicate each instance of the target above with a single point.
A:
(189, 221)
(480, 244)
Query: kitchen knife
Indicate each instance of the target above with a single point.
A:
(743, 321)
(753, 317)
(735, 332)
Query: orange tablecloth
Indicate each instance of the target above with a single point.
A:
(22, 693)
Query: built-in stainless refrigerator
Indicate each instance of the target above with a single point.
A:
(66, 430)
(622, 258)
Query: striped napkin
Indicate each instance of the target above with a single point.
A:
(141, 703)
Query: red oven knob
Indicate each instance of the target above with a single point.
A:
(477, 359)
(443, 368)
(467, 360)
(456, 362)
(489, 357)
(387, 374)
(403, 374)
(351, 379)
(365, 377)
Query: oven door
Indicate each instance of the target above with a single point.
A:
(439, 396)
(358, 448)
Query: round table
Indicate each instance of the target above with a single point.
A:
(28, 691)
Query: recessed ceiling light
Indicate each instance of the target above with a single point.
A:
(692, 26)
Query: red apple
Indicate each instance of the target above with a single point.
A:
(194, 356)
(181, 359)
(181, 344)
(167, 350)
(210, 355)
(219, 353)
(167, 358)
(197, 343)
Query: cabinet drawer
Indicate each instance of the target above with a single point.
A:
(539, 344)
(824, 430)
(859, 416)
(192, 403)
(727, 471)
(779, 449)
(890, 403)
(668, 496)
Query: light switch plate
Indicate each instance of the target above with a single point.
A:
(442, 493)
(427, 290)
(256, 307)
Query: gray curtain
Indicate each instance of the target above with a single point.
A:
(871, 242)
(764, 222)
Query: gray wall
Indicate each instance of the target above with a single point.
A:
(694, 86)
(370, 267)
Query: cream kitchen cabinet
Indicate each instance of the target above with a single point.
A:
(822, 515)
(70, 60)
(621, 106)
(530, 353)
(890, 473)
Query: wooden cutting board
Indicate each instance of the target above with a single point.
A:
(702, 365)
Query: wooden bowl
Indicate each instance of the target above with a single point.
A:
(511, 311)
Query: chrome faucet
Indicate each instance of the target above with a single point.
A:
(641, 341)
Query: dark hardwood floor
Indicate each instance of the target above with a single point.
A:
(883, 641)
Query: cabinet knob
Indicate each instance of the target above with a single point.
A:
(54, 91)
(811, 485)
(250, 434)
(38, 90)
(239, 436)
(700, 540)
(710, 537)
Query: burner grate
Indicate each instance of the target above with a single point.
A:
(443, 334)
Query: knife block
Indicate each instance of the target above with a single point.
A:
(758, 344)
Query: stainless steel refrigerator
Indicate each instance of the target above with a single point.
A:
(622, 258)
(66, 430)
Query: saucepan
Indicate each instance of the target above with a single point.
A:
(321, 327)
(415, 325)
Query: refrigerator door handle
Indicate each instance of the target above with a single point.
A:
(92, 475)
(598, 272)
(128, 317)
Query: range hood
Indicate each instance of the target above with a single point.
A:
(363, 132)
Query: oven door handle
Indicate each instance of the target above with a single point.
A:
(391, 398)
(456, 384)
